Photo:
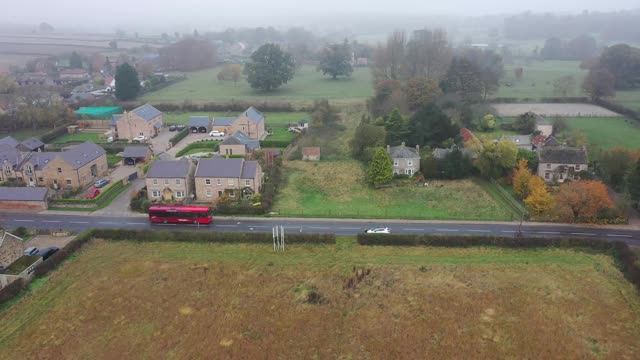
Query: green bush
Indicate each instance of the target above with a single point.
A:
(55, 133)
(179, 136)
(274, 143)
(205, 145)
(210, 237)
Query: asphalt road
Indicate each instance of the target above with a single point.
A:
(337, 226)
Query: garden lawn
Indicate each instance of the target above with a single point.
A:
(118, 299)
(537, 79)
(306, 86)
(336, 189)
(607, 132)
(79, 137)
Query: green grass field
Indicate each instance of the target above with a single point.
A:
(79, 137)
(336, 189)
(306, 86)
(537, 79)
(630, 99)
(190, 301)
(608, 132)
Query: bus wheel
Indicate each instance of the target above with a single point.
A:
(195, 222)
(164, 221)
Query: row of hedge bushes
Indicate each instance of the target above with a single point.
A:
(627, 260)
(51, 135)
(113, 187)
(179, 136)
(229, 106)
(620, 109)
(206, 145)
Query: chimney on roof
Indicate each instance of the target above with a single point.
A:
(418, 148)
(388, 148)
(403, 143)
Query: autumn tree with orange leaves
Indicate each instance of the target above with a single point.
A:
(521, 178)
(582, 200)
(539, 201)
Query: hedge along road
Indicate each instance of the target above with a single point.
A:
(337, 226)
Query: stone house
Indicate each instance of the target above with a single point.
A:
(238, 144)
(311, 153)
(558, 163)
(406, 160)
(251, 122)
(169, 180)
(68, 76)
(76, 167)
(237, 178)
(199, 124)
(144, 120)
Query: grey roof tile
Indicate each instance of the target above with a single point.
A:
(147, 112)
(31, 144)
(23, 193)
(240, 138)
(223, 121)
(199, 121)
(403, 152)
(9, 141)
(223, 168)
(249, 169)
(135, 151)
(169, 169)
(253, 114)
(82, 154)
(563, 155)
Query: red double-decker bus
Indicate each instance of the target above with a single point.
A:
(180, 214)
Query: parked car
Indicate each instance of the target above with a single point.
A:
(140, 138)
(47, 252)
(93, 193)
(100, 183)
(378, 230)
(31, 251)
(172, 128)
(194, 130)
(110, 139)
(180, 127)
(216, 133)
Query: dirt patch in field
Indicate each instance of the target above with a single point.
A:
(553, 109)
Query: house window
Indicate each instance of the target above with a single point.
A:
(548, 166)
(409, 163)
(219, 182)
(178, 182)
(219, 193)
(231, 182)
(247, 183)
(155, 193)
(59, 170)
(7, 170)
(155, 181)
(561, 176)
(577, 167)
(207, 181)
(40, 179)
(166, 181)
(55, 182)
(395, 163)
(408, 171)
(209, 193)
(29, 170)
(232, 193)
(547, 176)
(68, 182)
(179, 194)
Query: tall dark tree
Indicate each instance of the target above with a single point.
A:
(269, 68)
(599, 83)
(430, 126)
(335, 60)
(188, 54)
(464, 79)
(127, 82)
(75, 61)
(396, 127)
(367, 137)
(623, 62)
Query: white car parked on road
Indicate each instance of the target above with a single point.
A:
(378, 230)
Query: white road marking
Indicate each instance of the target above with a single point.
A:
(129, 223)
(24, 220)
(614, 235)
(589, 234)
(508, 231)
(413, 229)
(227, 225)
(78, 222)
(107, 222)
(485, 231)
(446, 230)
(317, 227)
(548, 232)
(348, 228)
(51, 221)
(261, 226)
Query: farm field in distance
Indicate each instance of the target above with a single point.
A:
(155, 300)
(608, 132)
(337, 189)
(306, 86)
(537, 79)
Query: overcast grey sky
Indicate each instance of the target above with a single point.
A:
(217, 14)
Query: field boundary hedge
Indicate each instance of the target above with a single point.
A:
(626, 260)
(179, 136)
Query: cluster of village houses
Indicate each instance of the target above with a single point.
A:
(556, 161)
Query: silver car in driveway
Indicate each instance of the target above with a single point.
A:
(100, 183)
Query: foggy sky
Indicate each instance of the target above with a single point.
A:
(154, 15)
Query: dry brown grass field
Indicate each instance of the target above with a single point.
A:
(195, 301)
